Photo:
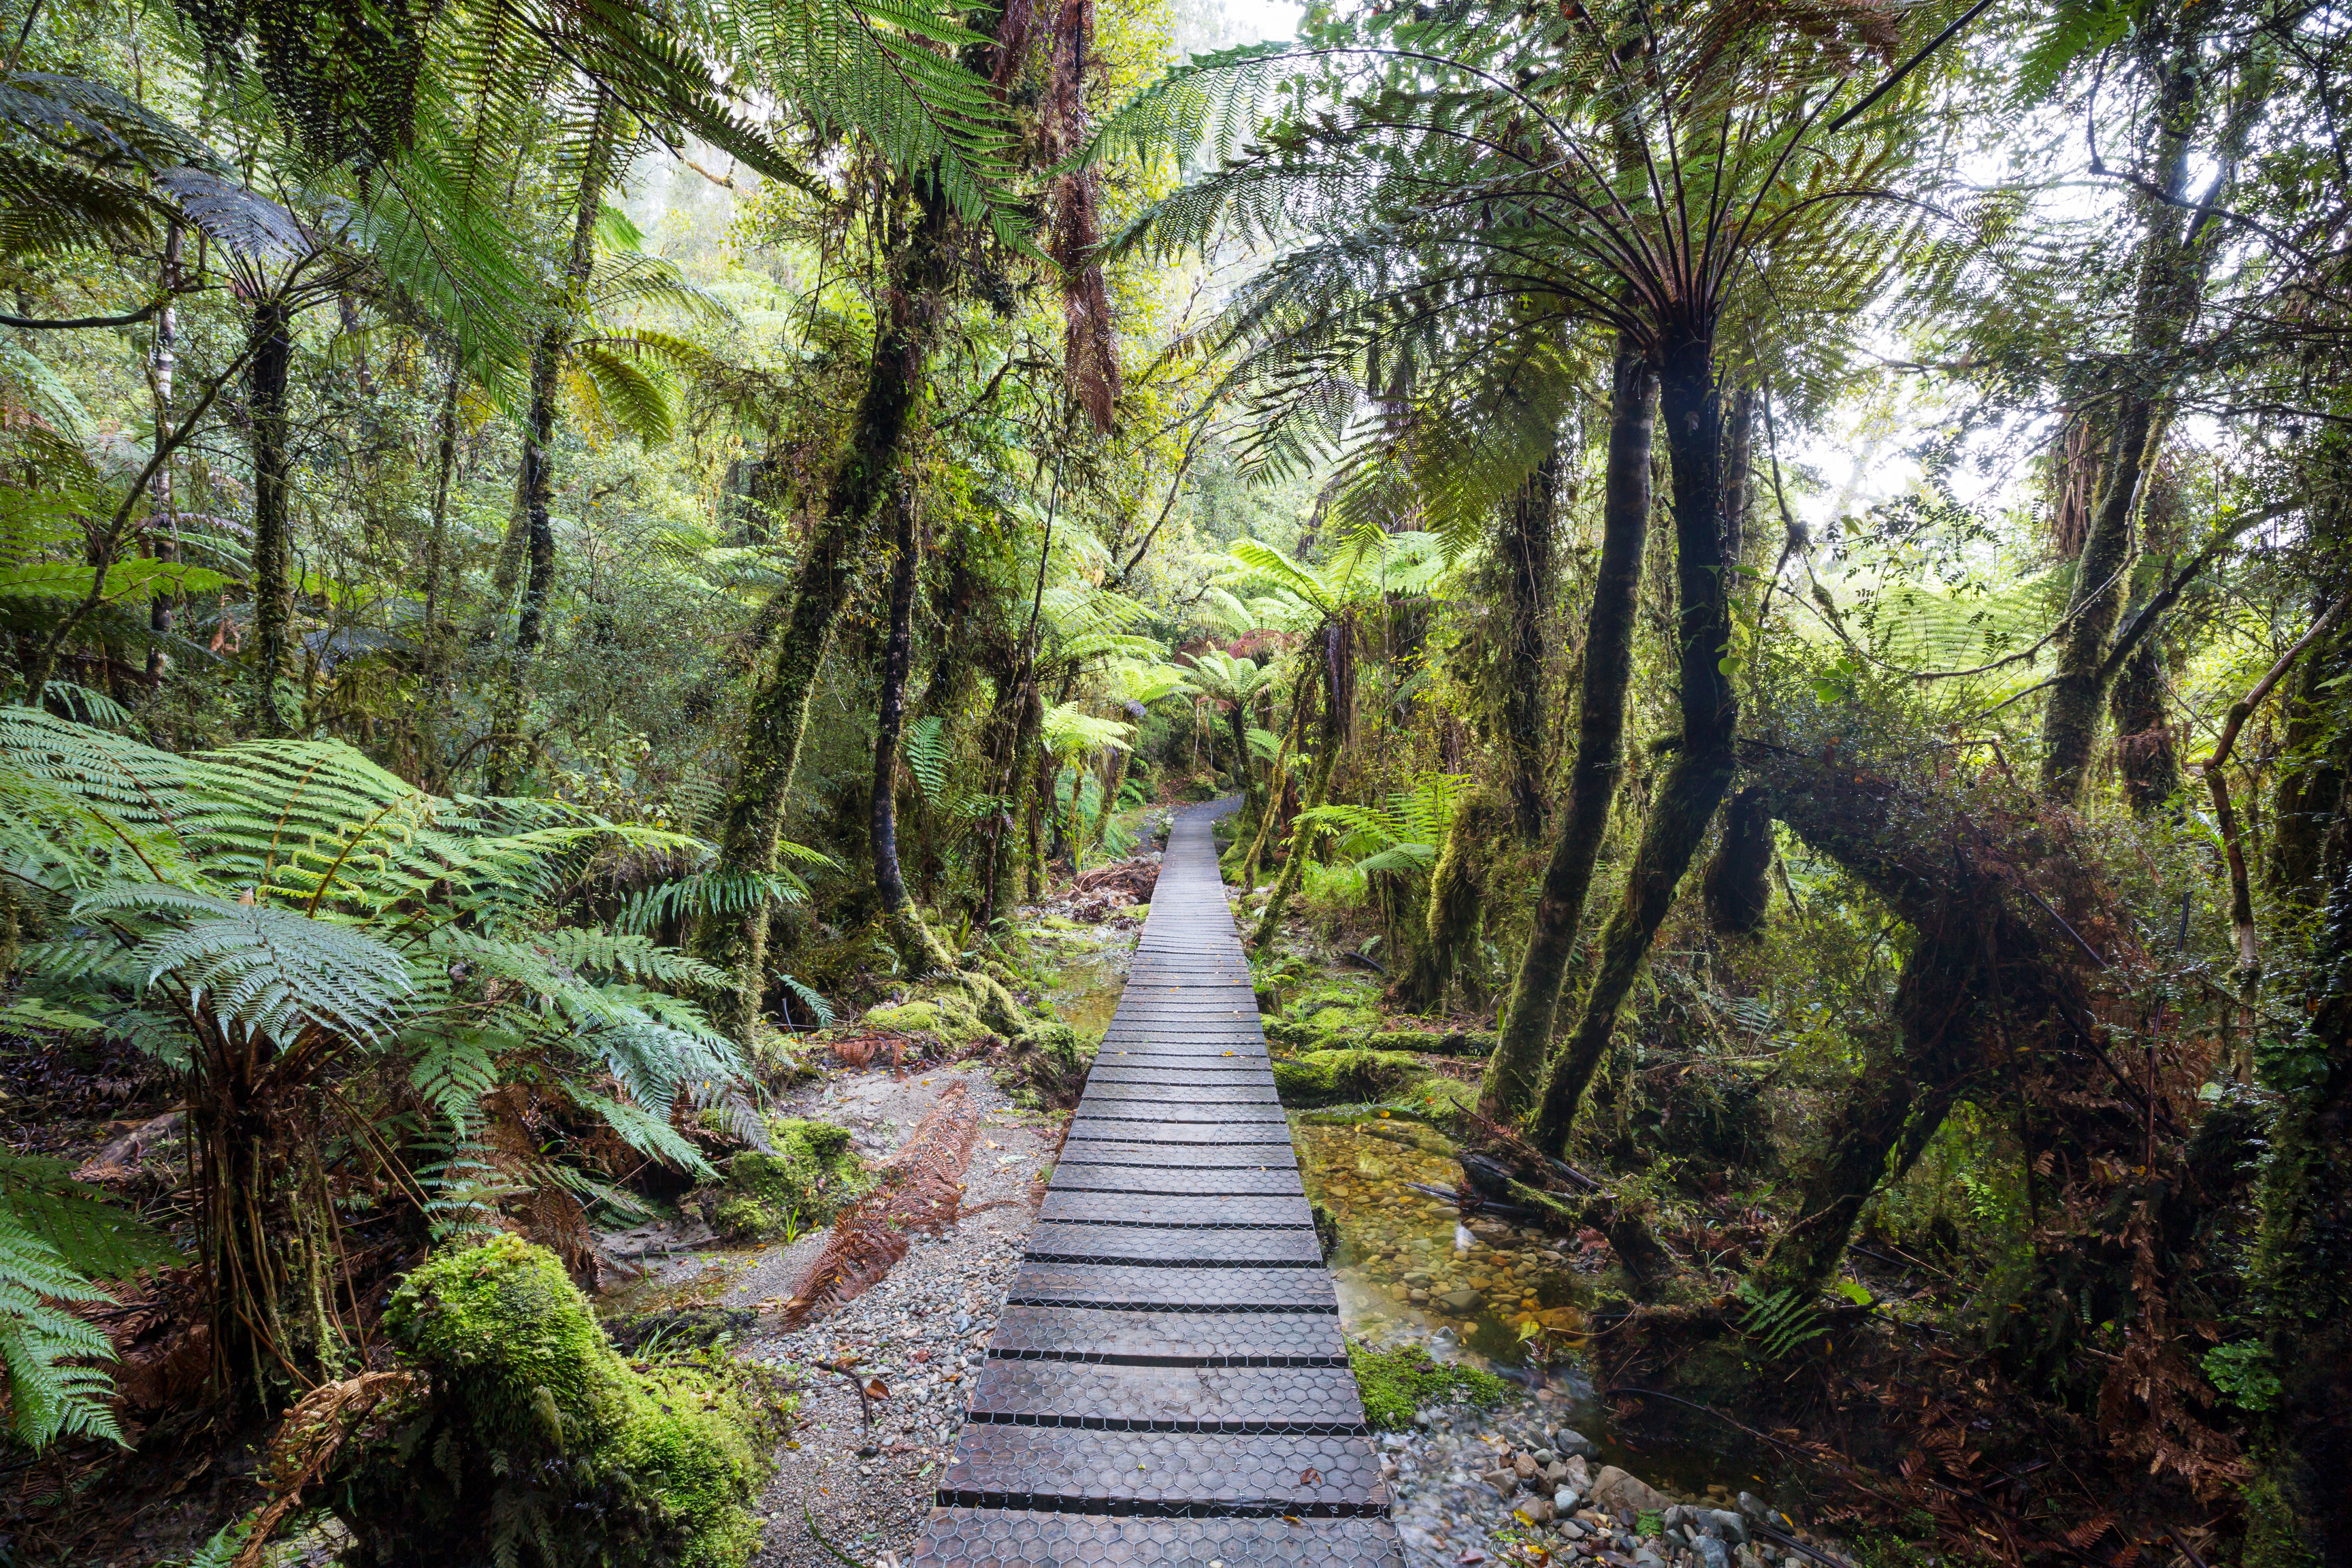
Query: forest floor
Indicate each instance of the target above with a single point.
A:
(856, 1474)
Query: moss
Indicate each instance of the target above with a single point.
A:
(536, 1433)
(1344, 1077)
(812, 1174)
(2276, 1519)
(1394, 1384)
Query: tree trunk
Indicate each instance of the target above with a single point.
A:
(1524, 547)
(1515, 1067)
(167, 361)
(2148, 758)
(751, 823)
(437, 566)
(271, 339)
(2301, 1495)
(908, 931)
(1737, 882)
(1457, 903)
(535, 481)
(2175, 251)
(1691, 405)
(1294, 864)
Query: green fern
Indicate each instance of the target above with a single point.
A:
(1779, 1323)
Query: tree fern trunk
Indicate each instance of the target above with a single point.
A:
(1515, 1067)
(271, 340)
(2146, 757)
(751, 823)
(1692, 406)
(437, 565)
(1457, 903)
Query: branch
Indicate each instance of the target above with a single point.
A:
(145, 313)
(1906, 68)
(2144, 621)
(2216, 784)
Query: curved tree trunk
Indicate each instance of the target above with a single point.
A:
(1706, 509)
(1517, 1066)
(751, 823)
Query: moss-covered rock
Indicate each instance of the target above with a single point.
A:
(1344, 1077)
(536, 1441)
(810, 1175)
(1394, 1384)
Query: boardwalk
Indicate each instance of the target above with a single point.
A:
(1167, 1383)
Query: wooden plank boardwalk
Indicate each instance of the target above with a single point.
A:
(1167, 1383)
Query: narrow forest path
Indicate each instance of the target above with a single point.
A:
(1167, 1382)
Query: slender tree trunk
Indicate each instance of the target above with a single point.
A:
(1278, 781)
(437, 566)
(908, 930)
(1515, 1067)
(1294, 864)
(751, 823)
(535, 481)
(271, 339)
(167, 361)
(1524, 547)
(1692, 408)
(2175, 252)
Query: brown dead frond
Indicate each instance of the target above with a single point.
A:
(921, 1189)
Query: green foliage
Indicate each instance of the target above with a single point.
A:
(2244, 1375)
(1778, 1324)
(808, 1174)
(1395, 1383)
(1403, 834)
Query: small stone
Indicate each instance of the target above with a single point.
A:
(1722, 1521)
(1461, 1301)
(1754, 1507)
(1536, 1510)
(1556, 1472)
(1712, 1553)
(1546, 1457)
(1563, 1500)
(1569, 1440)
(1527, 1467)
(1502, 1480)
(1624, 1495)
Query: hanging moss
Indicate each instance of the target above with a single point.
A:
(811, 1176)
(536, 1441)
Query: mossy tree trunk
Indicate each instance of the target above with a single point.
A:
(1737, 883)
(1517, 1066)
(908, 930)
(1706, 527)
(2148, 758)
(2177, 239)
(1456, 906)
(752, 823)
